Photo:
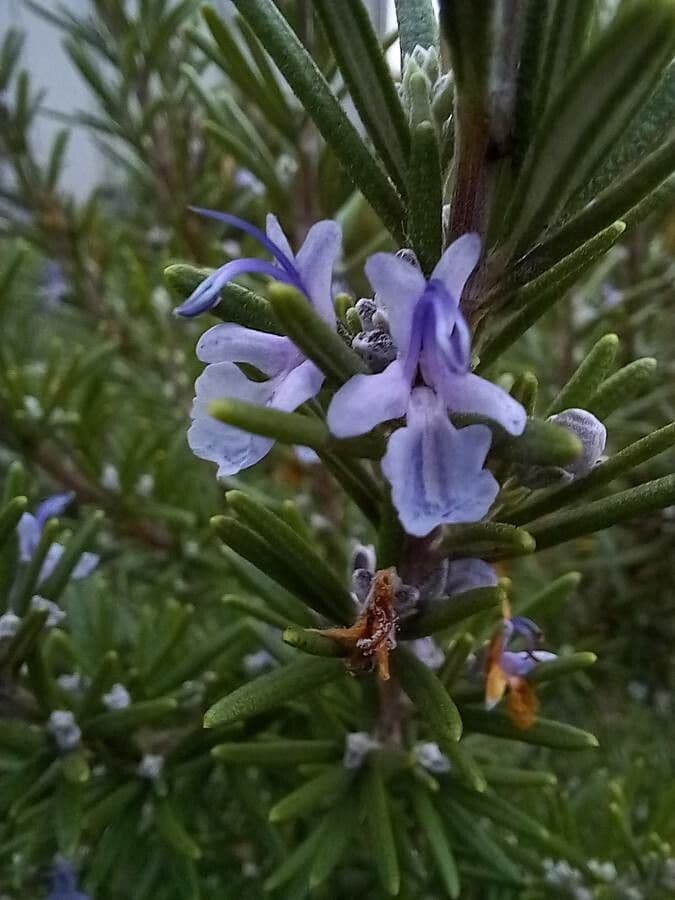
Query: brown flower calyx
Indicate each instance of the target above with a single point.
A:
(373, 634)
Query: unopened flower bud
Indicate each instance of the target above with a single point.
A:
(150, 766)
(118, 697)
(55, 615)
(64, 729)
(358, 745)
(590, 431)
(429, 756)
(9, 625)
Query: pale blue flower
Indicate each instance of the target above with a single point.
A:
(64, 883)
(29, 531)
(291, 378)
(435, 470)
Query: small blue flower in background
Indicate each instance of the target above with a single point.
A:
(54, 286)
(29, 531)
(291, 378)
(435, 470)
(64, 882)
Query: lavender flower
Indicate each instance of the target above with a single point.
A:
(64, 882)
(291, 378)
(29, 531)
(435, 469)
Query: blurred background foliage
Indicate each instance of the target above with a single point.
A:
(96, 380)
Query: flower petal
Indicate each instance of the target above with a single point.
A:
(457, 263)
(275, 234)
(521, 663)
(54, 554)
(398, 286)
(472, 394)
(366, 400)
(85, 566)
(435, 470)
(28, 531)
(315, 261)
(233, 343)
(468, 574)
(207, 294)
(209, 439)
(279, 249)
(53, 507)
(299, 385)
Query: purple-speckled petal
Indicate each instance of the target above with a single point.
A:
(457, 263)
(435, 470)
(472, 394)
(398, 286)
(468, 574)
(270, 353)
(366, 400)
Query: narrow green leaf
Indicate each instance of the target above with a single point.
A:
(313, 336)
(248, 543)
(297, 861)
(27, 580)
(431, 825)
(619, 201)
(109, 808)
(437, 709)
(102, 680)
(68, 815)
(447, 611)
(311, 795)
(247, 158)
(137, 715)
(588, 376)
(338, 830)
(312, 642)
(20, 737)
(567, 38)
(541, 443)
(378, 814)
(544, 732)
(467, 28)
(320, 580)
(195, 662)
(541, 295)
(311, 88)
(15, 651)
(417, 26)
(426, 197)
(255, 608)
(274, 689)
(633, 380)
(291, 428)
(624, 461)
(525, 778)
(9, 517)
(277, 753)
(173, 832)
(365, 71)
(456, 655)
(472, 829)
(564, 665)
(531, 62)
(75, 767)
(592, 109)
(237, 304)
(525, 389)
(569, 524)
(499, 541)
(554, 594)
(175, 622)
